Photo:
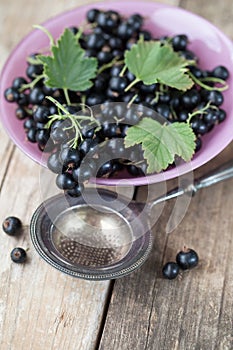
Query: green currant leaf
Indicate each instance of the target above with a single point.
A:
(67, 67)
(162, 142)
(152, 62)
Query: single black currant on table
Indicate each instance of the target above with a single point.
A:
(170, 270)
(12, 225)
(18, 255)
(187, 258)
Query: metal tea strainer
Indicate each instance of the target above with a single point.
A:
(104, 236)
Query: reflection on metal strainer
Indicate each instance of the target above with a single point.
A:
(83, 236)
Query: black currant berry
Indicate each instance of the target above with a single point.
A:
(18, 82)
(125, 30)
(83, 173)
(76, 191)
(36, 96)
(187, 258)
(11, 94)
(20, 113)
(70, 157)
(41, 113)
(190, 99)
(179, 42)
(31, 135)
(92, 15)
(33, 70)
(221, 115)
(118, 84)
(170, 270)
(65, 181)
(95, 41)
(18, 255)
(12, 225)
(104, 169)
(54, 163)
(220, 72)
(213, 96)
(135, 21)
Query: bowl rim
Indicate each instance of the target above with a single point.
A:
(137, 181)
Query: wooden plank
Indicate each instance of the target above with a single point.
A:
(39, 306)
(220, 15)
(6, 151)
(194, 311)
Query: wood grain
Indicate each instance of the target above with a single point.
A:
(194, 311)
(220, 15)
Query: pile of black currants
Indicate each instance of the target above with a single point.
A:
(100, 150)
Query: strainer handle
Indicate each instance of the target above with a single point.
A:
(222, 173)
(219, 174)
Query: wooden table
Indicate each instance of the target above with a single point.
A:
(41, 308)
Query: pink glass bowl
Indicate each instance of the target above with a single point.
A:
(208, 42)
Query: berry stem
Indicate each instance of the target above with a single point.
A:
(123, 70)
(109, 65)
(67, 96)
(210, 79)
(132, 100)
(200, 111)
(32, 83)
(75, 120)
(134, 82)
(43, 29)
